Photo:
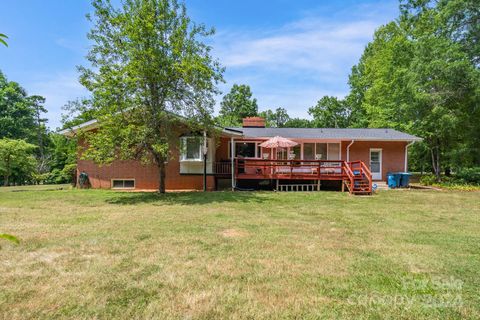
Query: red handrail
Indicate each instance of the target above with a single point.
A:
(350, 176)
(368, 174)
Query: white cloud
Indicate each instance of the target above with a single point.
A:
(294, 65)
(316, 46)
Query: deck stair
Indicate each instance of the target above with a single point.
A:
(358, 178)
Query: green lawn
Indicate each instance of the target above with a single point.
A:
(103, 254)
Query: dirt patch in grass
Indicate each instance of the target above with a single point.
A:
(233, 233)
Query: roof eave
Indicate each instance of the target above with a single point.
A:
(415, 139)
(70, 132)
(93, 124)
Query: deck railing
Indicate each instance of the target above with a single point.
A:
(288, 169)
(349, 176)
(222, 168)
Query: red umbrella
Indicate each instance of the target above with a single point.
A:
(278, 142)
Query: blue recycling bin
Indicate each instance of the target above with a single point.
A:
(393, 179)
(405, 179)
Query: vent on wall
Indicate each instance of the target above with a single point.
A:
(123, 183)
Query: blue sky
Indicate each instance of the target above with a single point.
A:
(290, 52)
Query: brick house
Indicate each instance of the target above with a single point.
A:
(354, 158)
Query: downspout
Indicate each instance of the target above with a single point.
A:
(406, 155)
(348, 150)
(232, 156)
(205, 151)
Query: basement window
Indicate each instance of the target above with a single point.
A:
(123, 184)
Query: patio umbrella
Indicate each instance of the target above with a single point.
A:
(278, 142)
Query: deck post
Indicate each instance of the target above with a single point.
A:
(205, 152)
(318, 182)
(277, 185)
(232, 156)
(343, 186)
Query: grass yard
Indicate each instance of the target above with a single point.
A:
(103, 254)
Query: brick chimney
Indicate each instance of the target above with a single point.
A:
(253, 122)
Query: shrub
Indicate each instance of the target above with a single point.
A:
(428, 179)
(65, 175)
(469, 175)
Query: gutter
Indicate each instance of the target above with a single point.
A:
(406, 155)
(232, 159)
(348, 150)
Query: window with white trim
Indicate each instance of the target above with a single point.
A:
(333, 151)
(321, 151)
(123, 183)
(191, 149)
(309, 151)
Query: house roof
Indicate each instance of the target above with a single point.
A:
(92, 124)
(328, 133)
(360, 134)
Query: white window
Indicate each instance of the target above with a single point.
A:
(321, 151)
(309, 151)
(333, 151)
(192, 149)
(123, 183)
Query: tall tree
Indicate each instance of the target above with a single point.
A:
(149, 66)
(36, 103)
(16, 159)
(458, 20)
(298, 123)
(236, 105)
(330, 112)
(275, 118)
(378, 81)
(17, 119)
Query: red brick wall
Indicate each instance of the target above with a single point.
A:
(146, 176)
(222, 149)
(393, 154)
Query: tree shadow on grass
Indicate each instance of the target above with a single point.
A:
(185, 198)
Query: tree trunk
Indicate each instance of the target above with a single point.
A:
(436, 162)
(161, 176)
(5, 180)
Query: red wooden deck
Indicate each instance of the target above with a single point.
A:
(355, 175)
(289, 169)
